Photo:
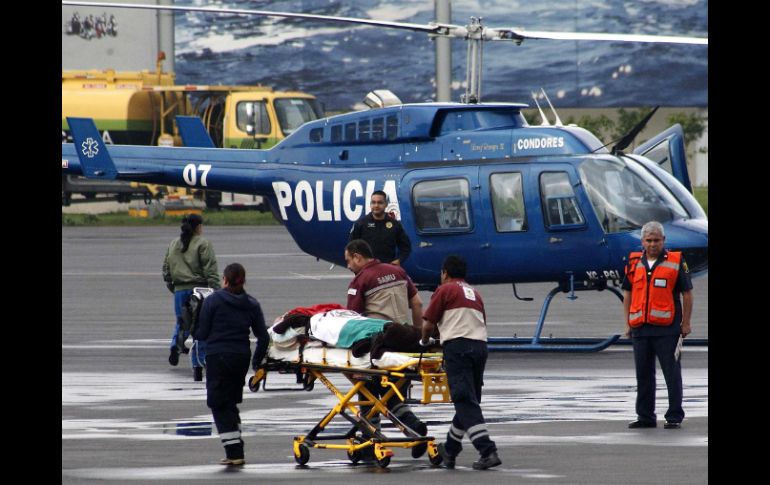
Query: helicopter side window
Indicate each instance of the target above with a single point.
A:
(560, 206)
(378, 125)
(350, 132)
(336, 133)
(508, 202)
(392, 126)
(251, 117)
(442, 205)
(317, 135)
(364, 130)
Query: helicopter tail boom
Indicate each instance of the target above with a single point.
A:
(237, 170)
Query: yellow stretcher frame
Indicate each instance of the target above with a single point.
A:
(364, 437)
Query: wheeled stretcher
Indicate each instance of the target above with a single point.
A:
(363, 439)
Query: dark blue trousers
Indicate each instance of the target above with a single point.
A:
(198, 357)
(464, 360)
(645, 351)
(225, 378)
(400, 410)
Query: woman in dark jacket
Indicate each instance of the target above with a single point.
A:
(224, 323)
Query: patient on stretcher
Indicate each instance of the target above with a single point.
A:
(330, 326)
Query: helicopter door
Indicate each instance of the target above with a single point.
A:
(668, 151)
(508, 200)
(572, 240)
(447, 214)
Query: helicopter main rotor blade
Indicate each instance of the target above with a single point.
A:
(438, 29)
(521, 34)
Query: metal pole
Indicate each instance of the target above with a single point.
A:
(166, 34)
(468, 71)
(443, 53)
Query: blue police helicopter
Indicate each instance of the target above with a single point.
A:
(521, 203)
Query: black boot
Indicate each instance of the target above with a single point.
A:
(487, 461)
(447, 459)
(173, 357)
(419, 450)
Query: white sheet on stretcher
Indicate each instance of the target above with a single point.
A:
(338, 357)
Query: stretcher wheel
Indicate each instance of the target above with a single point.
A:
(354, 456)
(256, 379)
(383, 462)
(435, 460)
(304, 455)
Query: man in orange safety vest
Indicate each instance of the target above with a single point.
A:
(656, 319)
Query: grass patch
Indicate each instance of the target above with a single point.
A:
(210, 218)
(702, 196)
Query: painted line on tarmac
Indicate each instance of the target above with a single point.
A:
(531, 323)
(509, 399)
(263, 255)
(652, 438)
(321, 277)
(287, 469)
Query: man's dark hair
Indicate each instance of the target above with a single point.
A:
(455, 266)
(359, 246)
(380, 192)
(235, 274)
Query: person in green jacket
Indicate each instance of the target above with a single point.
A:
(189, 262)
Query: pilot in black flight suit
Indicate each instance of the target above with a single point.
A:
(383, 232)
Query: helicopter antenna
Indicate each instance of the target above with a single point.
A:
(558, 120)
(629, 137)
(542, 115)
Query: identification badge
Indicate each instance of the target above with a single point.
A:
(352, 291)
(469, 294)
(388, 225)
(660, 283)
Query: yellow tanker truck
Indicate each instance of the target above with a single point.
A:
(139, 108)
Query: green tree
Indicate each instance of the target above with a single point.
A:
(693, 124)
(627, 119)
(601, 126)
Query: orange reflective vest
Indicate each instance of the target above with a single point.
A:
(652, 293)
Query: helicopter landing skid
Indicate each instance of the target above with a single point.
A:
(537, 344)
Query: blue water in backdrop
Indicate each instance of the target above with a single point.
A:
(340, 63)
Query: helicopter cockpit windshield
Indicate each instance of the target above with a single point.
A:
(624, 195)
(294, 112)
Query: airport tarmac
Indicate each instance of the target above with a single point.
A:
(127, 416)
